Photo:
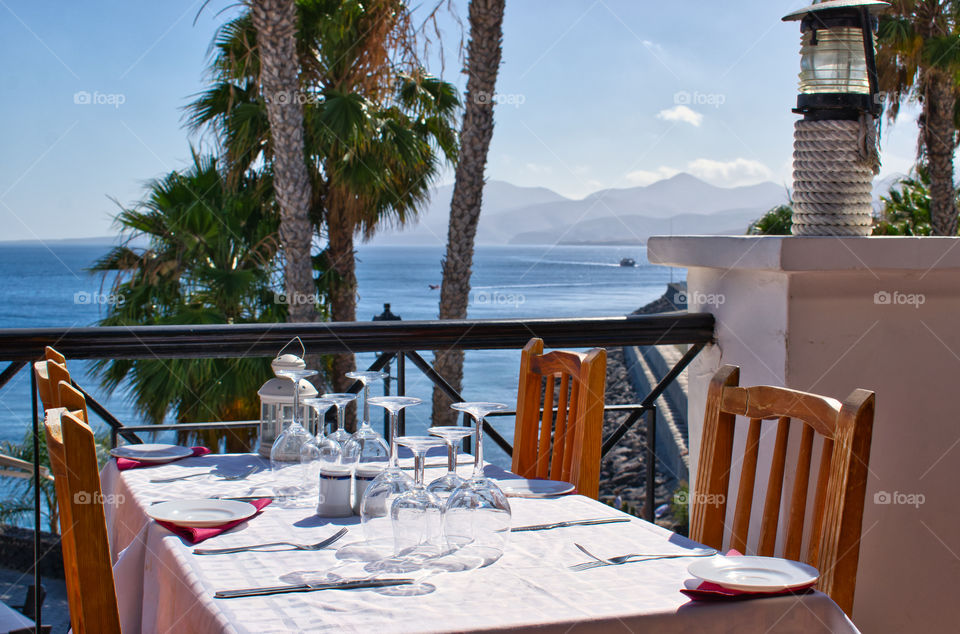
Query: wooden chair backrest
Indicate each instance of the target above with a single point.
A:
(52, 355)
(71, 399)
(49, 374)
(83, 528)
(566, 447)
(846, 429)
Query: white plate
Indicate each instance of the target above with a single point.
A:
(152, 452)
(201, 513)
(754, 574)
(535, 488)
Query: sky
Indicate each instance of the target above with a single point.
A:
(591, 95)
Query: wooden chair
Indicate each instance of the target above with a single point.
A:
(846, 430)
(565, 447)
(50, 373)
(83, 528)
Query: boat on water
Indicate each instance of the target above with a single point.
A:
(628, 262)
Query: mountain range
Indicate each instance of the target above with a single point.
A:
(682, 204)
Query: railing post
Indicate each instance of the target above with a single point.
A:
(648, 504)
(402, 390)
(37, 595)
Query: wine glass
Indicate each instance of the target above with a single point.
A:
(341, 400)
(376, 501)
(287, 471)
(452, 435)
(477, 515)
(416, 514)
(371, 449)
(319, 450)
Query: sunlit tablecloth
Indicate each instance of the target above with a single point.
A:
(163, 587)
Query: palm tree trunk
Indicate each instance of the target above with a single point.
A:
(939, 141)
(276, 24)
(343, 292)
(483, 62)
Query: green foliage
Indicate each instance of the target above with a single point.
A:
(906, 208)
(211, 258)
(776, 222)
(18, 506)
(680, 508)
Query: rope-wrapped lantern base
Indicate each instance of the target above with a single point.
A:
(834, 162)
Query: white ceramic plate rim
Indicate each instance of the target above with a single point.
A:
(523, 488)
(152, 452)
(177, 512)
(713, 569)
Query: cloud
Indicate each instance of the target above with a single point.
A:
(683, 114)
(536, 168)
(644, 177)
(734, 173)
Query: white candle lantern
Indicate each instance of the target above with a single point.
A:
(276, 401)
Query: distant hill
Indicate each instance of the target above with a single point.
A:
(533, 215)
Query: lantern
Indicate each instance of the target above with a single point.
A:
(276, 401)
(835, 145)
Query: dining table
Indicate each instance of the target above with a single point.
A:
(539, 584)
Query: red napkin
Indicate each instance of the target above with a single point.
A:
(197, 535)
(126, 463)
(708, 591)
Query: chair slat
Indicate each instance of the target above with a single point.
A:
(771, 506)
(527, 421)
(571, 386)
(823, 475)
(798, 501)
(546, 427)
(560, 430)
(748, 474)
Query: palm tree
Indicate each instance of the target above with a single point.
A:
(276, 24)
(483, 62)
(918, 57)
(375, 128)
(906, 208)
(211, 257)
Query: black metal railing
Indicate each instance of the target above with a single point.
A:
(400, 340)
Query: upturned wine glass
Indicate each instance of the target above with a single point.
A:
(417, 513)
(341, 400)
(288, 477)
(371, 449)
(476, 516)
(379, 495)
(448, 483)
(319, 450)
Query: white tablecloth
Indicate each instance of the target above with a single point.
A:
(163, 587)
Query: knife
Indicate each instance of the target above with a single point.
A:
(312, 587)
(544, 527)
(244, 498)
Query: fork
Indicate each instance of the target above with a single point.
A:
(239, 549)
(631, 557)
(239, 476)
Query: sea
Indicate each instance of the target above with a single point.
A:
(44, 286)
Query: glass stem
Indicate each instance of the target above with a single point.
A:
(418, 467)
(296, 400)
(478, 452)
(451, 457)
(366, 405)
(341, 414)
(394, 462)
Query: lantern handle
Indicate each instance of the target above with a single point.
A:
(303, 349)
